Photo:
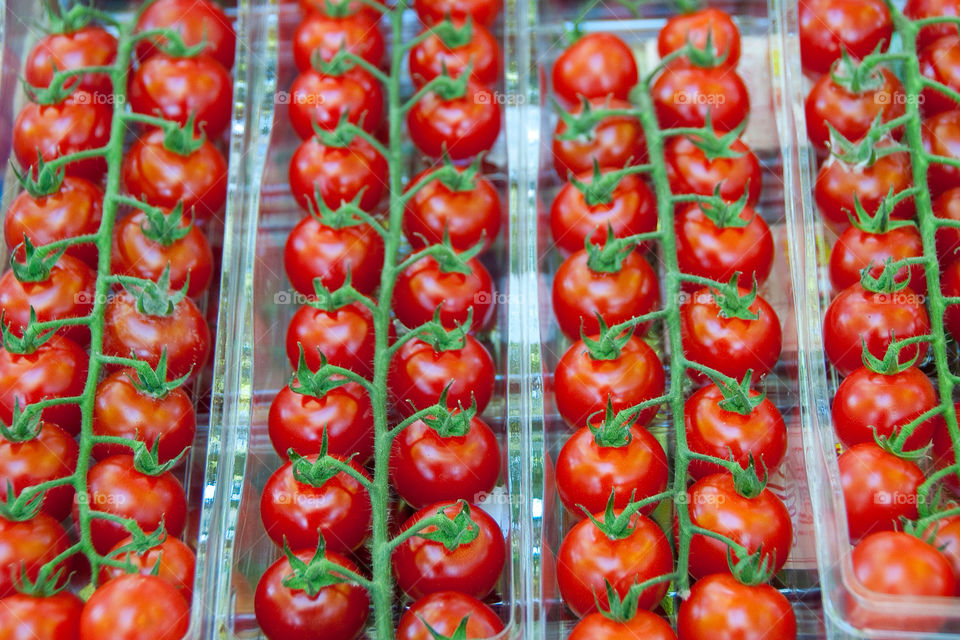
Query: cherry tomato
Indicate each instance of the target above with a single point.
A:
(419, 374)
(759, 522)
(467, 213)
(79, 123)
(856, 250)
(943, 456)
(583, 385)
(195, 21)
(135, 607)
(314, 250)
(643, 624)
(878, 489)
(691, 171)
(422, 566)
(950, 286)
(715, 431)
(946, 539)
(857, 315)
(482, 11)
(683, 96)
(352, 7)
(837, 183)
(706, 250)
(430, 57)
(694, 27)
(323, 99)
(173, 560)
(614, 141)
(183, 334)
(941, 137)
(444, 611)
(588, 559)
(339, 174)
(336, 612)
(915, 9)
(947, 206)
(357, 33)
(630, 208)
(424, 286)
(345, 336)
(940, 61)
(597, 65)
(164, 178)
(88, 46)
(851, 113)
(56, 369)
(50, 455)
(56, 617)
(588, 471)
(28, 545)
(897, 563)
(580, 293)
(115, 486)
(722, 608)
(464, 126)
(829, 26)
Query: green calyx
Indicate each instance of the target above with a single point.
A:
(454, 179)
(460, 633)
(611, 340)
(580, 126)
(715, 147)
(170, 42)
(36, 264)
(313, 576)
(441, 338)
(23, 427)
(856, 77)
(341, 62)
(153, 381)
(614, 429)
(19, 508)
(886, 281)
(451, 36)
(608, 256)
(620, 609)
(182, 140)
(156, 298)
(314, 384)
(165, 228)
(342, 135)
(616, 526)
(890, 364)
(348, 214)
(726, 215)
(731, 304)
(147, 461)
(41, 180)
(73, 19)
(449, 260)
(337, 8)
(747, 482)
(706, 57)
(317, 473)
(325, 299)
(737, 396)
(453, 532)
(447, 88)
(140, 542)
(452, 424)
(866, 151)
(880, 221)
(32, 338)
(48, 583)
(754, 568)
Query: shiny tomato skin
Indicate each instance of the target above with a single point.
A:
(757, 522)
(587, 473)
(88, 46)
(950, 286)
(357, 33)
(941, 137)
(28, 545)
(691, 171)
(614, 142)
(164, 178)
(75, 209)
(345, 336)
(79, 123)
(587, 558)
(694, 27)
(943, 456)
(135, 607)
(897, 563)
(468, 216)
(856, 313)
(582, 385)
(947, 540)
(422, 566)
(321, 99)
(115, 486)
(55, 617)
(195, 22)
(482, 11)
(423, 286)
(428, 58)
(829, 26)
(184, 335)
(632, 209)
(940, 61)
(722, 608)
(643, 624)
(851, 114)
(174, 560)
(337, 612)
(579, 294)
(51, 454)
(314, 250)
(597, 65)
(915, 9)
(426, 467)
(714, 431)
(443, 611)
(878, 489)
(947, 206)
(683, 96)
(837, 183)
(418, 375)
(120, 409)
(296, 421)
(704, 249)
(338, 173)
(57, 369)
(465, 126)
(855, 250)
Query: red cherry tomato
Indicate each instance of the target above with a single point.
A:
(694, 27)
(56, 617)
(597, 65)
(88, 46)
(683, 96)
(467, 213)
(852, 114)
(940, 61)
(173, 560)
(464, 125)
(50, 455)
(707, 250)
(643, 624)
(950, 286)
(314, 250)
(28, 545)
(943, 456)
(829, 26)
(947, 206)
(691, 171)
(946, 539)
(136, 607)
(444, 611)
(897, 563)
(429, 58)
(482, 11)
(423, 286)
(338, 174)
(345, 336)
(357, 33)
(941, 137)
(322, 99)
(856, 250)
(722, 608)
(878, 489)
(614, 141)
(195, 21)
(916, 9)
(838, 182)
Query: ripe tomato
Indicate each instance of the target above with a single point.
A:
(714, 431)
(850, 113)
(56, 369)
(345, 336)
(866, 401)
(941, 137)
(339, 174)
(946, 539)
(357, 33)
(353, 6)
(704, 249)
(829, 26)
(51, 454)
(838, 182)
(588, 559)
(856, 250)
(297, 420)
(915, 9)
(183, 334)
(88, 46)
(579, 294)
(857, 314)
(423, 286)
(467, 215)
(299, 513)
(115, 486)
(75, 209)
(28, 545)
(67, 292)
(878, 489)
(135, 607)
(430, 57)
(444, 611)
(691, 171)
(950, 285)
(630, 209)
(173, 560)
(643, 624)
(947, 206)
(614, 141)
(587, 471)
(121, 409)
(694, 27)
(195, 21)
(897, 563)
(683, 96)
(314, 250)
(80, 123)
(419, 374)
(164, 178)
(943, 456)
(940, 61)
(322, 99)
(336, 612)
(56, 617)
(597, 65)
(422, 566)
(464, 126)
(722, 608)
(482, 11)
(583, 385)
(427, 467)
(756, 522)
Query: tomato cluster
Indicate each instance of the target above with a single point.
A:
(140, 303)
